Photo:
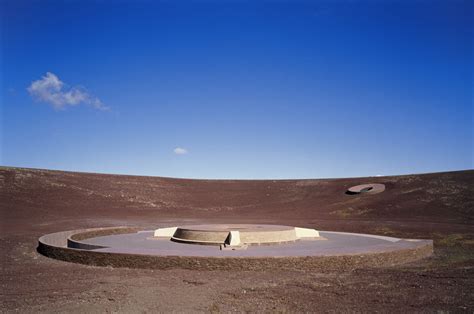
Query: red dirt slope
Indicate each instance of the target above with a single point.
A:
(439, 206)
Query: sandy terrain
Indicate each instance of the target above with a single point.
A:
(435, 206)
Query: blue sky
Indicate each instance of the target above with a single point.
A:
(237, 89)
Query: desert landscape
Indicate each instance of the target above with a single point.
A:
(438, 206)
(236, 156)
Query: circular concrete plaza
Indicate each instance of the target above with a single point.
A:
(231, 247)
(331, 243)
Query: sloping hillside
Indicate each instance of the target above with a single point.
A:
(436, 206)
(45, 194)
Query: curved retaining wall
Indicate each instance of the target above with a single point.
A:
(55, 246)
(72, 238)
(249, 235)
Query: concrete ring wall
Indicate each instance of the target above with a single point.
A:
(268, 237)
(73, 238)
(248, 236)
(198, 236)
(375, 188)
(55, 246)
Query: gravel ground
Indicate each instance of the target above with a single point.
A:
(432, 206)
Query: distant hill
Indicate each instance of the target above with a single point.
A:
(38, 194)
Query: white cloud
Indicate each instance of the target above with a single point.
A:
(51, 90)
(180, 151)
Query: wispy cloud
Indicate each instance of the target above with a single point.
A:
(180, 151)
(51, 90)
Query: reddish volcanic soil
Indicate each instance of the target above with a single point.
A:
(437, 206)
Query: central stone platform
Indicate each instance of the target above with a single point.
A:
(235, 234)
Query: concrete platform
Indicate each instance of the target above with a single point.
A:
(335, 243)
(130, 247)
